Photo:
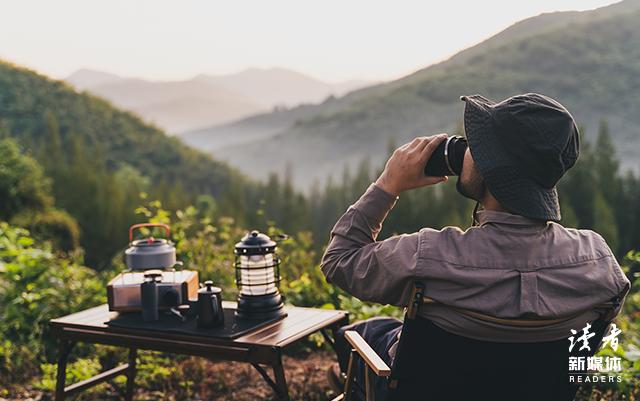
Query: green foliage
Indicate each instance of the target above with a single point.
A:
(362, 310)
(78, 370)
(629, 341)
(101, 201)
(35, 286)
(604, 221)
(26, 199)
(54, 226)
(599, 198)
(23, 185)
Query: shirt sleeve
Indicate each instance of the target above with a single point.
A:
(376, 271)
(624, 285)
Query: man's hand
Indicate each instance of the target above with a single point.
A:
(405, 168)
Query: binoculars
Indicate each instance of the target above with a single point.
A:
(447, 158)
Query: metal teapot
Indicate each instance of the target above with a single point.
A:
(210, 313)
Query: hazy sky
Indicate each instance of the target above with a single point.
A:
(328, 39)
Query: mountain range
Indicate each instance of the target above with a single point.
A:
(589, 61)
(205, 100)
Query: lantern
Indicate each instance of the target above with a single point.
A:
(258, 277)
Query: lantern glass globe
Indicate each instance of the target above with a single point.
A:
(257, 274)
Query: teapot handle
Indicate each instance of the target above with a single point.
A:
(167, 230)
(215, 307)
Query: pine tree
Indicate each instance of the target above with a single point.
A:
(605, 222)
(569, 217)
(606, 165)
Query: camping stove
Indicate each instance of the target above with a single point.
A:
(151, 257)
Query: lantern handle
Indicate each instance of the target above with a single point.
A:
(167, 230)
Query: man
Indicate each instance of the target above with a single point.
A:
(517, 261)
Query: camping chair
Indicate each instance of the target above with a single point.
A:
(433, 364)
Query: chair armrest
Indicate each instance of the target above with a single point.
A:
(367, 353)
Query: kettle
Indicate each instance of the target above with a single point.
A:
(210, 313)
(150, 253)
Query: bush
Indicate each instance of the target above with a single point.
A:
(53, 225)
(35, 286)
(629, 342)
(23, 185)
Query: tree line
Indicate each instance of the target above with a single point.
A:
(64, 191)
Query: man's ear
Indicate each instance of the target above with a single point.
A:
(468, 161)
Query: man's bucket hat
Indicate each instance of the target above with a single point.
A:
(522, 146)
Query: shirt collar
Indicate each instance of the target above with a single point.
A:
(492, 216)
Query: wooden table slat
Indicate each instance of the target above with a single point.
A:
(285, 328)
(294, 316)
(95, 316)
(312, 326)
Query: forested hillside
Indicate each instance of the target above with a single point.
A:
(589, 61)
(100, 159)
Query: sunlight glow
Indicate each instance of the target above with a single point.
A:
(331, 40)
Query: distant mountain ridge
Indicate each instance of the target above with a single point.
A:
(275, 87)
(85, 78)
(206, 100)
(589, 61)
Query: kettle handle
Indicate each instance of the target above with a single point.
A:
(214, 306)
(167, 230)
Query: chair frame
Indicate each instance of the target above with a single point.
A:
(374, 365)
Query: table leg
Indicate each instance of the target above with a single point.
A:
(61, 375)
(338, 325)
(281, 380)
(334, 331)
(131, 373)
(328, 339)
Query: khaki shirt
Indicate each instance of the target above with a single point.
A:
(508, 266)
